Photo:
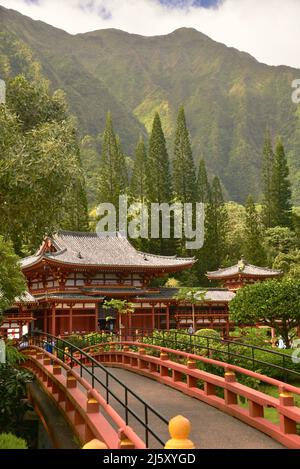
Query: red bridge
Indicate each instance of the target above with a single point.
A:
(131, 406)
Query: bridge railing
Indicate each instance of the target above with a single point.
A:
(280, 365)
(184, 371)
(252, 356)
(74, 356)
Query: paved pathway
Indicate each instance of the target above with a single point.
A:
(211, 428)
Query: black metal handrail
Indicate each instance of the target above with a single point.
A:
(191, 345)
(42, 339)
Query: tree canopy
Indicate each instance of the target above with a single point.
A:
(12, 281)
(273, 303)
(42, 185)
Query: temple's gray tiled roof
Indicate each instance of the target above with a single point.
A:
(242, 267)
(111, 250)
(211, 294)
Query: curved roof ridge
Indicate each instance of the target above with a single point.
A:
(159, 256)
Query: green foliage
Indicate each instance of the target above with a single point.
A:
(235, 233)
(159, 183)
(208, 333)
(12, 392)
(281, 187)
(268, 169)
(113, 178)
(13, 355)
(159, 188)
(213, 252)
(184, 175)
(40, 167)
(10, 441)
(253, 241)
(289, 263)
(33, 104)
(273, 303)
(202, 183)
(255, 336)
(12, 281)
(139, 174)
(279, 240)
(122, 306)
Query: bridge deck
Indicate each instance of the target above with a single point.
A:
(211, 428)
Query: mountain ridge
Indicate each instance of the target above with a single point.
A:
(230, 98)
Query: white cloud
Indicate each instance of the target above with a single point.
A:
(267, 29)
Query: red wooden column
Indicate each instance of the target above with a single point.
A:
(53, 319)
(168, 317)
(153, 317)
(46, 320)
(71, 319)
(96, 318)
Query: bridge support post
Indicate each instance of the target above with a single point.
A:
(71, 381)
(229, 396)
(255, 410)
(56, 369)
(46, 361)
(92, 405)
(287, 426)
(209, 389)
(176, 376)
(61, 396)
(124, 442)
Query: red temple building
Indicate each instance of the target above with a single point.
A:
(72, 274)
(242, 274)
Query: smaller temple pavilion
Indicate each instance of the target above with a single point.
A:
(241, 274)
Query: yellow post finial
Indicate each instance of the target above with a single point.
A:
(95, 444)
(179, 428)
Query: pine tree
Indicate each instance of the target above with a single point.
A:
(158, 184)
(184, 175)
(253, 240)
(220, 220)
(159, 187)
(281, 189)
(113, 173)
(138, 187)
(139, 173)
(213, 252)
(202, 183)
(267, 171)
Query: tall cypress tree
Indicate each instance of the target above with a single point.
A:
(138, 186)
(253, 239)
(202, 183)
(159, 188)
(158, 184)
(139, 173)
(220, 220)
(113, 173)
(184, 175)
(213, 252)
(281, 189)
(267, 173)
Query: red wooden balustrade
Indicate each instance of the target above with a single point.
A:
(79, 402)
(179, 370)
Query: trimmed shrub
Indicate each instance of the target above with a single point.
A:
(10, 441)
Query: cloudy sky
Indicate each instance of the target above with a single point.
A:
(267, 29)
